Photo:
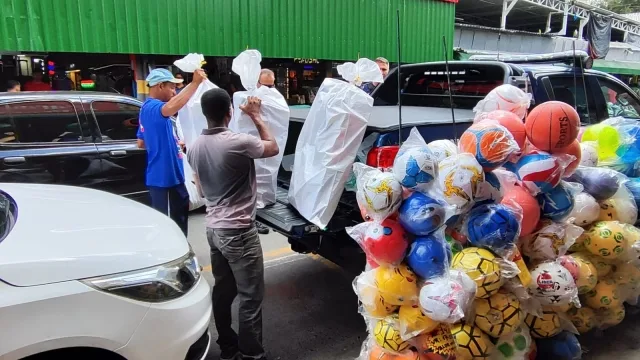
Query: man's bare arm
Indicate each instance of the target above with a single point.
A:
(140, 144)
(196, 179)
(179, 101)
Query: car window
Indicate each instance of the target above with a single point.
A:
(7, 131)
(117, 121)
(571, 90)
(619, 101)
(44, 121)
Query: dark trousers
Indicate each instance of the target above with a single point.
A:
(238, 269)
(173, 202)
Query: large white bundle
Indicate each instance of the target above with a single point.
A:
(329, 141)
(275, 113)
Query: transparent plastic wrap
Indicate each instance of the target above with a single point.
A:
(488, 271)
(361, 157)
(371, 351)
(397, 285)
(558, 203)
(372, 304)
(492, 189)
(504, 97)
(610, 317)
(442, 149)
(459, 178)
(606, 239)
(422, 214)
(436, 345)
(598, 182)
(589, 154)
(620, 207)
(605, 295)
(493, 226)
(415, 165)
(632, 236)
(491, 144)
(586, 210)
(528, 204)
(551, 240)
(584, 319)
(190, 117)
(385, 243)
(553, 285)
(564, 346)
(378, 193)
(429, 256)
(549, 324)
(498, 315)
(516, 345)
(574, 150)
(540, 171)
(472, 343)
(610, 136)
(633, 185)
(329, 141)
(444, 299)
(386, 335)
(509, 120)
(275, 113)
(587, 273)
(412, 322)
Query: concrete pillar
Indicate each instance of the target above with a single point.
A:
(139, 64)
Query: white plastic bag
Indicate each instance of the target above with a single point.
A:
(195, 200)
(329, 141)
(275, 113)
(190, 117)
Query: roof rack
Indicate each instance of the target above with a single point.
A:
(566, 57)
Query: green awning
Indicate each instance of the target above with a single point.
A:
(617, 67)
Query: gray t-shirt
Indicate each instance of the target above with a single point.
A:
(223, 161)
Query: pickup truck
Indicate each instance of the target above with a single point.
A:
(426, 105)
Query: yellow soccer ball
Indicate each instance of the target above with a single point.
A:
(544, 327)
(603, 266)
(472, 343)
(413, 321)
(558, 308)
(626, 274)
(612, 316)
(376, 306)
(604, 296)
(606, 239)
(498, 314)
(481, 266)
(587, 274)
(578, 245)
(632, 235)
(398, 285)
(584, 319)
(387, 336)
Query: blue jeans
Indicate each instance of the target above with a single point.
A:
(173, 202)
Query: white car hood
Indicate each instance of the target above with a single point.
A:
(65, 233)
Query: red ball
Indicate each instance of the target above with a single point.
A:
(512, 122)
(386, 243)
(569, 263)
(574, 150)
(530, 208)
(552, 125)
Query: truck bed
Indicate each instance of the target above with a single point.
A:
(283, 217)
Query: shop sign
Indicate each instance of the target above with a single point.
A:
(306, 61)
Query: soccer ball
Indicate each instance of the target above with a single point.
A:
(444, 299)
(382, 194)
(436, 345)
(459, 178)
(612, 316)
(490, 190)
(544, 327)
(586, 209)
(550, 241)
(557, 203)
(505, 97)
(428, 257)
(442, 149)
(482, 267)
(626, 274)
(398, 285)
(603, 266)
(472, 343)
(413, 322)
(415, 167)
(587, 273)
(370, 297)
(420, 214)
(606, 239)
(377, 353)
(516, 344)
(494, 226)
(604, 296)
(490, 143)
(388, 337)
(552, 284)
(584, 319)
(589, 153)
(498, 314)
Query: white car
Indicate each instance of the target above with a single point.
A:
(85, 274)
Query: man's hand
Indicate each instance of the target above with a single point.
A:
(252, 107)
(199, 76)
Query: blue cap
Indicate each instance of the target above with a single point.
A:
(157, 76)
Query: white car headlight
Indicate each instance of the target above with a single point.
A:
(156, 284)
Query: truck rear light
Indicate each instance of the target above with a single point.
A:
(382, 157)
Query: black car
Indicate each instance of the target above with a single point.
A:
(73, 138)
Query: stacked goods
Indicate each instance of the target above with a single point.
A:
(503, 246)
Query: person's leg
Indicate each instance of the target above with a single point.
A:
(179, 207)
(223, 294)
(159, 199)
(249, 274)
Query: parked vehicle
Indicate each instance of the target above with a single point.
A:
(426, 105)
(85, 274)
(85, 139)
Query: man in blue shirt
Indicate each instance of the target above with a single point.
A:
(165, 172)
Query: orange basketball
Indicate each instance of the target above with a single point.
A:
(512, 123)
(378, 354)
(552, 125)
(573, 149)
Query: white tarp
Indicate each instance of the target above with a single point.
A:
(191, 122)
(329, 141)
(275, 113)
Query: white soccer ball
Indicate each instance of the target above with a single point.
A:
(589, 155)
(552, 284)
(442, 149)
(505, 97)
(415, 168)
(382, 193)
(459, 177)
(586, 210)
(443, 299)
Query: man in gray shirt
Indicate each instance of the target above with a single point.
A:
(225, 175)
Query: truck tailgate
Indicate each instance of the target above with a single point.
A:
(283, 217)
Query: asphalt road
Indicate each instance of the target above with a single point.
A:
(310, 310)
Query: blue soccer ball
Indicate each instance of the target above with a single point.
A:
(415, 168)
(557, 203)
(420, 215)
(429, 257)
(633, 185)
(564, 346)
(493, 226)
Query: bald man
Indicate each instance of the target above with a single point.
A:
(267, 78)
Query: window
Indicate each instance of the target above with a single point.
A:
(571, 90)
(117, 121)
(619, 101)
(44, 121)
(7, 131)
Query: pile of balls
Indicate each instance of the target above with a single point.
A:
(502, 246)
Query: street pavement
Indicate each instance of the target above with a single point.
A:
(310, 309)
